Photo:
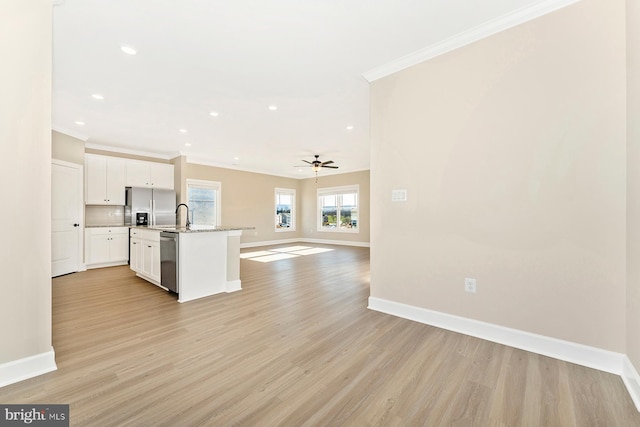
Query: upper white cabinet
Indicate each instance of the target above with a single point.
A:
(104, 180)
(149, 174)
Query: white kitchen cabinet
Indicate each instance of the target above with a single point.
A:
(135, 257)
(104, 180)
(151, 260)
(149, 174)
(106, 246)
(145, 254)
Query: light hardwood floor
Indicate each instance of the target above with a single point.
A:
(297, 346)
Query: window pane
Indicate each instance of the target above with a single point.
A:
(349, 200)
(349, 218)
(349, 211)
(202, 205)
(283, 213)
(329, 211)
(285, 210)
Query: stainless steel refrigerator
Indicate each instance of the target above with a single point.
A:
(158, 205)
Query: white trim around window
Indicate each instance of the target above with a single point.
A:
(285, 210)
(337, 209)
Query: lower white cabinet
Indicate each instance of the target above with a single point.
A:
(145, 254)
(106, 246)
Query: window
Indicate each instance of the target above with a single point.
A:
(338, 209)
(203, 199)
(285, 209)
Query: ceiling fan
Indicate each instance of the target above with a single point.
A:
(316, 165)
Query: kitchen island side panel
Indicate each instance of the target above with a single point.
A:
(203, 265)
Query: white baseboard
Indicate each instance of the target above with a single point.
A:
(105, 264)
(233, 286)
(592, 357)
(27, 367)
(304, 240)
(631, 380)
(337, 242)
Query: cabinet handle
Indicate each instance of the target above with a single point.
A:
(76, 225)
(148, 246)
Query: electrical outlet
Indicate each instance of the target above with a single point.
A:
(470, 285)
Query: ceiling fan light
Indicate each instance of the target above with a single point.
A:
(315, 168)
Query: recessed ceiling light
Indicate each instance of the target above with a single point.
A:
(128, 50)
(183, 131)
(273, 107)
(236, 158)
(97, 96)
(79, 123)
(187, 145)
(350, 127)
(214, 114)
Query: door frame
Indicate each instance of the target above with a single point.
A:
(80, 168)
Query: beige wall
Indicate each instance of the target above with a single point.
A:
(248, 199)
(512, 150)
(25, 136)
(67, 148)
(309, 194)
(633, 182)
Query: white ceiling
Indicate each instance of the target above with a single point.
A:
(238, 57)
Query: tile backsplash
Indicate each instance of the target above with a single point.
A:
(103, 215)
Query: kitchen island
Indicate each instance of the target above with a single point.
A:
(204, 260)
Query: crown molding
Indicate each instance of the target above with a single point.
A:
(70, 133)
(122, 150)
(494, 26)
(206, 162)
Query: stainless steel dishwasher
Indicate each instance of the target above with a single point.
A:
(169, 261)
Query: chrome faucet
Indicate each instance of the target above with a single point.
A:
(187, 223)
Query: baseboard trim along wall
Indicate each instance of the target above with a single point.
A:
(591, 357)
(27, 367)
(304, 240)
(233, 286)
(631, 380)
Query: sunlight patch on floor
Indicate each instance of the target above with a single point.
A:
(290, 248)
(277, 254)
(274, 257)
(254, 254)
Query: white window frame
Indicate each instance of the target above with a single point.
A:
(334, 191)
(211, 185)
(291, 192)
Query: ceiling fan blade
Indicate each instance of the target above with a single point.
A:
(331, 167)
(328, 162)
(307, 162)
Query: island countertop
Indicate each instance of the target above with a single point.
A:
(192, 229)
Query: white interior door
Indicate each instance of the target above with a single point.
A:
(66, 217)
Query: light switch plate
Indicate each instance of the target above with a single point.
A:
(399, 195)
